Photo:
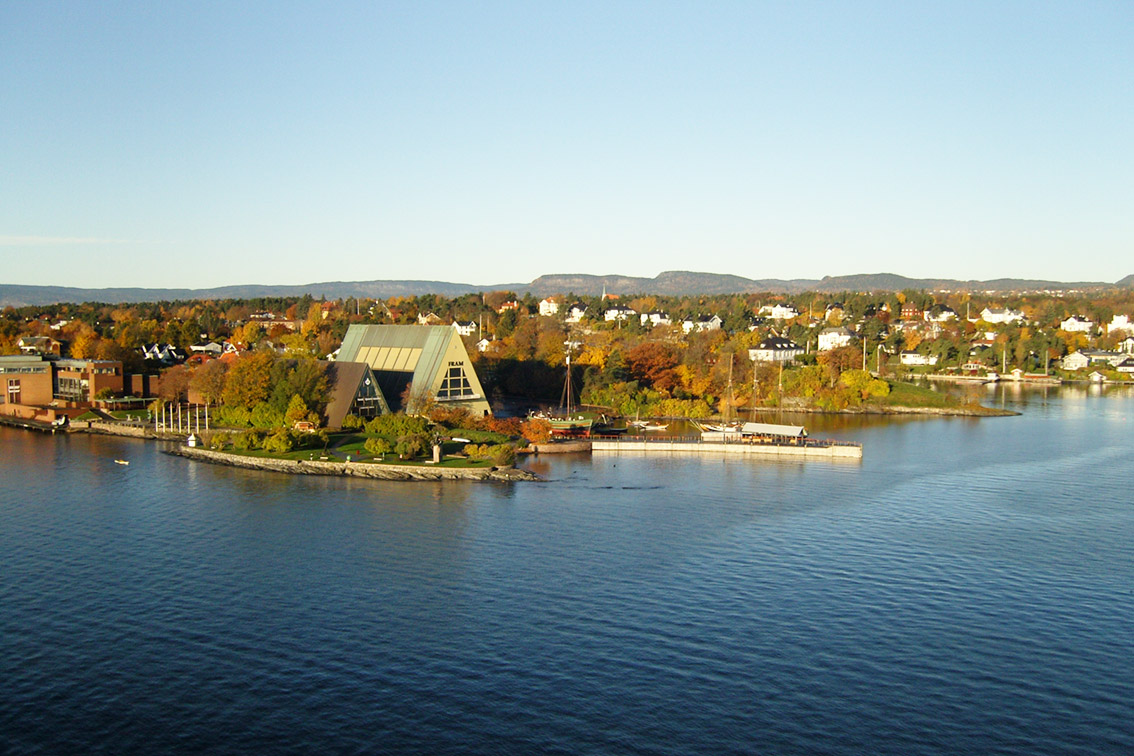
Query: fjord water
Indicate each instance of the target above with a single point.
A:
(968, 587)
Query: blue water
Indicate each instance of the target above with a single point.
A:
(968, 587)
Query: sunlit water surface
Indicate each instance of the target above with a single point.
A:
(968, 587)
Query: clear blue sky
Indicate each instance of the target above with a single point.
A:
(210, 143)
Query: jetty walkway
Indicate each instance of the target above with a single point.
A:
(728, 444)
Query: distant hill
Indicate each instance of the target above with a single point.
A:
(669, 283)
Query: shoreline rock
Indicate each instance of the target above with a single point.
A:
(354, 469)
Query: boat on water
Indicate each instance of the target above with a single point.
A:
(720, 427)
(121, 462)
(567, 421)
(564, 424)
(646, 425)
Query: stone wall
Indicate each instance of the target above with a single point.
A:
(354, 469)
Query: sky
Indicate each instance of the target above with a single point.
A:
(200, 144)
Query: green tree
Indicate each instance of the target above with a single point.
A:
(296, 411)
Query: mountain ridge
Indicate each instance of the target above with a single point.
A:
(667, 283)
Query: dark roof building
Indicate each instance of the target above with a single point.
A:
(354, 391)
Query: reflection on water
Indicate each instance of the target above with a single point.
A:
(965, 588)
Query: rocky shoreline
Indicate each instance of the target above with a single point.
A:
(355, 469)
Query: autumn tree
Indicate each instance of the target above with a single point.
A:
(209, 381)
(249, 380)
(174, 383)
(653, 363)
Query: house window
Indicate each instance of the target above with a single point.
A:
(13, 390)
(455, 384)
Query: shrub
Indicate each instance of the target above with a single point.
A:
(396, 425)
(307, 440)
(232, 417)
(219, 440)
(502, 455)
(412, 445)
(507, 426)
(247, 440)
(279, 443)
(352, 422)
(453, 417)
(536, 430)
(378, 446)
(266, 416)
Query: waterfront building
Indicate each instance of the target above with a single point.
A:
(354, 391)
(81, 380)
(430, 359)
(1084, 357)
(25, 380)
(916, 359)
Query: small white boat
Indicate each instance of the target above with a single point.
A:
(653, 426)
(720, 427)
(121, 462)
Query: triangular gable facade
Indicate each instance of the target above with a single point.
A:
(431, 358)
(354, 391)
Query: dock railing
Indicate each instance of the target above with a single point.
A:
(728, 438)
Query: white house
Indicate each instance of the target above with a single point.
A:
(1126, 366)
(940, 313)
(916, 358)
(1120, 323)
(466, 327)
(211, 347)
(701, 323)
(779, 312)
(483, 345)
(1126, 345)
(1001, 315)
(656, 318)
(576, 312)
(1076, 324)
(833, 338)
(619, 313)
(775, 349)
(1084, 357)
(549, 306)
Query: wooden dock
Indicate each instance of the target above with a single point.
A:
(806, 448)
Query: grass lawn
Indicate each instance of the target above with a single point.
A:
(140, 414)
(909, 395)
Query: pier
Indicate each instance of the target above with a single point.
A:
(728, 444)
